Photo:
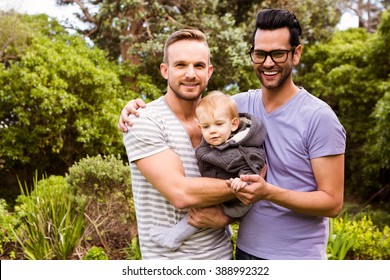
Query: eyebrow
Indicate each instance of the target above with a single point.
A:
(186, 62)
(260, 50)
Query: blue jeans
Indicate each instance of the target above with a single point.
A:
(241, 255)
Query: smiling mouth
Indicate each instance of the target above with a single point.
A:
(270, 73)
(189, 85)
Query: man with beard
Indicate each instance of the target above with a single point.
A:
(305, 146)
(160, 148)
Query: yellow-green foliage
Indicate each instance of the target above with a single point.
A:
(234, 228)
(342, 235)
(96, 253)
(371, 242)
(7, 222)
(133, 251)
(358, 238)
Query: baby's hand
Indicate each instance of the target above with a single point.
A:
(236, 184)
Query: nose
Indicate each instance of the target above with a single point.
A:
(190, 73)
(268, 61)
(213, 129)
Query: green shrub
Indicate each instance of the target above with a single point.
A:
(100, 175)
(371, 243)
(133, 251)
(96, 253)
(104, 184)
(358, 238)
(342, 235)
(51, 227)
(234, 228)
(379, 217)
(7, 223)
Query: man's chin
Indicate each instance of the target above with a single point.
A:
(189, 95)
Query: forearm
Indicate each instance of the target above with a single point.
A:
(316, 203)
(166, 173)
(325, 200)
(203, 192)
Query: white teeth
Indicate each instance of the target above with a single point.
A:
(270, 73)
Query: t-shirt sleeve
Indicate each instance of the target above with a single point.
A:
(146, 137)
(248, 102)
(326, 136)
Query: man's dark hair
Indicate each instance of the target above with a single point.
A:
(271, 19)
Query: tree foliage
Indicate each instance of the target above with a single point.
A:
(14, 37)
(59, 102)
(135, 30)
(377, 145)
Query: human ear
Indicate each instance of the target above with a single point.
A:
(210, 71)
(297, 54)
(235, 124)
(164, 70)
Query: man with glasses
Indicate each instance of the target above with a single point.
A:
(305, 148)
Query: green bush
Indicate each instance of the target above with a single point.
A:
(7, 223)
(100, 176)
(342, 235)
(371, 242)
(96, 253)
(133, 251)
(358, 238)
(103, 184)
(51, 227)
(379, 217)
(234, 228)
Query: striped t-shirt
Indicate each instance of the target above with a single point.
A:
(155, 130)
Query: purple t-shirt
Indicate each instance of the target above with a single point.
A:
(302, 129)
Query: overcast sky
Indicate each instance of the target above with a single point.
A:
(65, 12)
(41, 7)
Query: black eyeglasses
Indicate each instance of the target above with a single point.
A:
(277, 56)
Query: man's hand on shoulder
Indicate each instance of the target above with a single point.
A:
(130, 109)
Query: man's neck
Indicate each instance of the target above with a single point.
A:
(275, 98)
(185, 113)
(184, 110)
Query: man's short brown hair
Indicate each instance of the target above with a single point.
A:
(184, 34)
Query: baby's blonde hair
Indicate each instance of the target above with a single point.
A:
(217, 99)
